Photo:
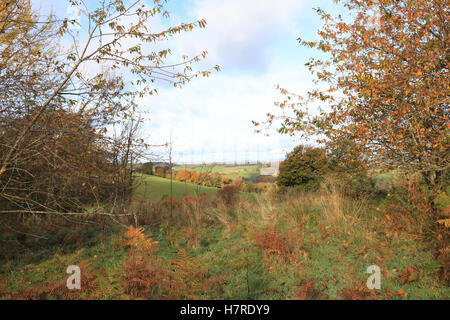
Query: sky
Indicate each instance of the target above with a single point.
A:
(255, 44)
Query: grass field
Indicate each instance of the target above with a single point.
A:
(152, 188)
(235, 172)
(261, 246)
(302, 247)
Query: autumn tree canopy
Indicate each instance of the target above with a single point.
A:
(382, 86)
(59, 100)
(118, 36)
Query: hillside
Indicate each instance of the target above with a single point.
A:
(152, 188)
(232, 172)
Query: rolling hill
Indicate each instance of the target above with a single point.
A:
(152, 188)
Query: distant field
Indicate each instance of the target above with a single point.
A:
(152, 188)
(234, 172)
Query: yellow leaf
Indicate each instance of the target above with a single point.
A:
(445, 222)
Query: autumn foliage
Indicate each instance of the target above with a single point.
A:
(204, 178)
(384, 85)
(146, 275)
(56, 154)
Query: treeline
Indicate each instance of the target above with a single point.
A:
(316, 169)
(211, 179)
(205, 178)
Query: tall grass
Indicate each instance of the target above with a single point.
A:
(265, 246)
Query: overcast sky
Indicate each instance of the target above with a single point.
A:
(255, 44)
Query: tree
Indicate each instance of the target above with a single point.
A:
(60, 169)
(304, 167)
(55, 153)
(225, 181)
(162, 171)
(124, 148)
(183, 175)
(146, 168)
(118, 37)
(386, 86)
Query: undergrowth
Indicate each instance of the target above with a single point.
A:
(268, 246)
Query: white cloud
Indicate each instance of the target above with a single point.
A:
(254, 43)
(240, 33)
(210, 119)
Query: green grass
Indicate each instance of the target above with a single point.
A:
(152, 188)
(44, 264)
(384, 182)
(320, 239)
(250, 273)
(235, 172)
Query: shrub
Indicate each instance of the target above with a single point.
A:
(229, 194)
(225, 180)
(304, 168)
(443, 202)
(182, 175)
(167, 201)
(146, 168)
(268, 179)
(161, 171)
(255, 187)
(409, 208)
(308, 168)
(215, 180)
(237, 182)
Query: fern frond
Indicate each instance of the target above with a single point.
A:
(444, 222)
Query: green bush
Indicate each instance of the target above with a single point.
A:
(146, 168)
(304, 168)
(309, 168)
